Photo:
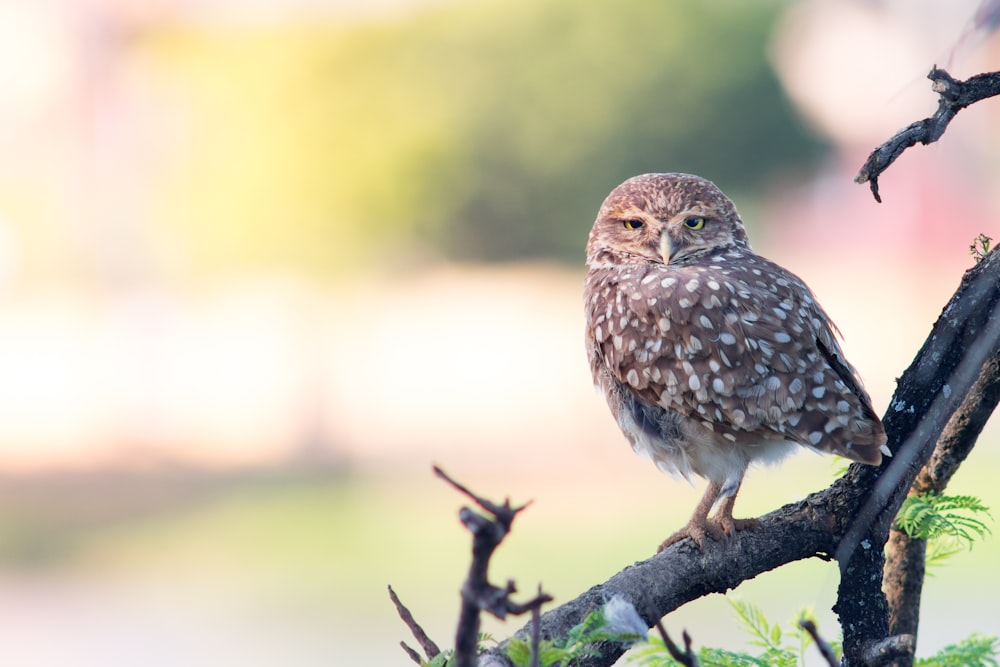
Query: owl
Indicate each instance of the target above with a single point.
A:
(710, 356)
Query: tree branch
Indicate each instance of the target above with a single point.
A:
(905, 562)
(685, 658)
(903, 583)
(816, 526)
(954, 96)
(888, 650)
(478, 594)
(430, 648)
(822, 645)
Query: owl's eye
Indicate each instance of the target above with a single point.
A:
(694, 223)
(632, 224)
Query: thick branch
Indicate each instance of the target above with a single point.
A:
(903, 583)
(961, 433)
(815, 526)
(888, 650)
(953, 97)
(967, 337)
(905, 562)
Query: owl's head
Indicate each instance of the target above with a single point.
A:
(667, 218)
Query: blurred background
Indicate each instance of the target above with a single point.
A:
(262, 263)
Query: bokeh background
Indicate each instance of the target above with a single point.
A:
(263, 262)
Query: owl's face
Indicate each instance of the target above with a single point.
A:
(667, 218)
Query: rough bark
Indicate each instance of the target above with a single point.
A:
(905, 556)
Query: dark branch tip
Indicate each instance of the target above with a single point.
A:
(873, 184)
(426, 643)
(414, 656)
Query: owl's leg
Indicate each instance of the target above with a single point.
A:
(723, 519)
(699, 526)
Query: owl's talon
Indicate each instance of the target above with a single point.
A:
(697, 536)
(716, 528)
(728, 525)
(697, 530)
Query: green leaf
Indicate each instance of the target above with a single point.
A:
(440, 660)
(715, 657)
(932, 516)
(755, 622)
(975, 651)
(519, 652)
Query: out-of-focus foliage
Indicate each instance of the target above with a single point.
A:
(487, 130)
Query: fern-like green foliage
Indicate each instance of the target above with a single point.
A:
(440, 660)
(932, 516)
(444, 658)
(579, 642)
(778, 648)
(975, 651)
(781, 649)
(939, 551)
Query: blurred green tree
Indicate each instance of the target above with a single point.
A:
(476, 131)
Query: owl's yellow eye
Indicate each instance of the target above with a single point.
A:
(632, 224)
(694, 223)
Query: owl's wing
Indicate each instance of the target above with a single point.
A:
(751, 355)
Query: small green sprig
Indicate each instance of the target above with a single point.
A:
(930, 516)
(779, 648)
(975, 651)
(981, 246)
(578, 643)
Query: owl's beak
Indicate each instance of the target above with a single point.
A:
(666, 247)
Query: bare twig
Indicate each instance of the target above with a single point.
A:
(504, 513)
(478, 594)
(687, 657)
(414, 656)
(824, 646)
(954, 96)
(426, 643)
(536, 630)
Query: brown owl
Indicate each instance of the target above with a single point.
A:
(710, 356)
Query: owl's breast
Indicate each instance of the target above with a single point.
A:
(686, 447)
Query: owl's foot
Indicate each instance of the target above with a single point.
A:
(698, 528)
(728, 525)
(715, 528)
(724, 520)
(722, 524)
(696, 533)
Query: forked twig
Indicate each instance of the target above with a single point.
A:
(426, 643)
(478, 594)
(687, 658)
(954, 96)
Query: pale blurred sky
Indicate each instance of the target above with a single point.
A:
(110, 354)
